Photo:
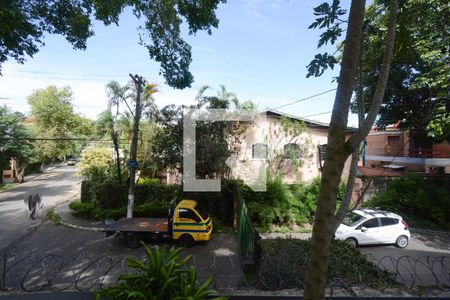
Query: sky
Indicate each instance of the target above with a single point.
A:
(259, 52)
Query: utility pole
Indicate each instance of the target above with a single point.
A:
(139, 83)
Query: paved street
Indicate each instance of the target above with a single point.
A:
(55, 187)
(83, 259)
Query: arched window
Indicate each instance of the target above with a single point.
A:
(259, 151)
(292, 151)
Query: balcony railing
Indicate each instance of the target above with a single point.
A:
(430, 153)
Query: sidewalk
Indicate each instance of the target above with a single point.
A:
(32, 176)
(68, 219)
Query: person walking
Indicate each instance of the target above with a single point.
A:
(34, 201)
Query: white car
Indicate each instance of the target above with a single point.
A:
(369, 226)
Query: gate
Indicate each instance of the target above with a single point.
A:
(246, 233)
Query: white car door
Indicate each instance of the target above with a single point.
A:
(370, 232)
(390, 229)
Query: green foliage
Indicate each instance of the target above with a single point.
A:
(6, 186)
(421, 201)
(297, 150)
(163, 275)
(52, 215)
(284, 205)
(87, 191)
(276, 206)
(148, 181)
(346, 264)
(109, 199)
(53, 117)
(328, 17)
(420, 70)
(439, 127)
(13, 140)
(96, 165)
(82, 209)
(24, 25)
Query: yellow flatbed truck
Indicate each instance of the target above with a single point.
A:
(186, 224)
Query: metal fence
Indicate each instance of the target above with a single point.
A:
(246, 233)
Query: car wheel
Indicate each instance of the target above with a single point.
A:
(402, 241)
(352, 242)
(186, 240)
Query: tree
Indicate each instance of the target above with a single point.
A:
(215, 141)
(59, 131)
(339, 147)
(96, 164)
(287, 132)
(24, 24)
(14, 142)
(105, 125)
(420, 78)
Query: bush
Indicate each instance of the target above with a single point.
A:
(87, 191)
(282, 264)
(162, 275)
(149, 180)
(423, 202)
(111, 195)
(218, 204)
(284, 205)
(153, 199)
(83, 210)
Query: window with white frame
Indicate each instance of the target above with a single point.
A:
(292, 151)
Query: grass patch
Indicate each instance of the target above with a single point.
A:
(282, 265)
(53, 216)
(7, 186)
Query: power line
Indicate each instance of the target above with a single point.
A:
(318, 114)
(304, 99)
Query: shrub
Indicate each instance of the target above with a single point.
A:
(83, 210)
(162, 275)
(282, 264)
(149, 180)
(96, 165)
(111, 195)
(424, 202)
(87, 191)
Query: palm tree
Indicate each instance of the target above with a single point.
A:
(116, 94)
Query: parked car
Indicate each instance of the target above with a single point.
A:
(371, 226)
(71, 161)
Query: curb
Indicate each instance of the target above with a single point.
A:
(76, 226)
(81, 227)
(428, 231)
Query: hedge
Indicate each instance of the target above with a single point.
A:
(152, 199)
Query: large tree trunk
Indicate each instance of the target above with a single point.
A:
(338, 149)
(343, 208)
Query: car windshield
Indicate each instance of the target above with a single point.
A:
(352, 219)
(202, 211)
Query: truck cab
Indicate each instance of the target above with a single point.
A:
(190, 223)
(187, 223)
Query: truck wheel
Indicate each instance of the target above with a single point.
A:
(186, 240)
(133, 241)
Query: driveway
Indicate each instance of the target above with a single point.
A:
(80, 259)
(55, 187)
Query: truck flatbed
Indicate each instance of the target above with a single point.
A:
(151, 225)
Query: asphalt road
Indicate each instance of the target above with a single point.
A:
(55, 187)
